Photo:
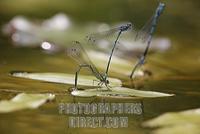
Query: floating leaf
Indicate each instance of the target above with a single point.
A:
(83, 80)
(118, 92)
(185, 122)
(24, 101)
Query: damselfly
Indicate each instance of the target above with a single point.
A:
(93, 38)
(146, 34)
(77, 52)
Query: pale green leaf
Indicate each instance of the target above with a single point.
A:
(24, 101)
(185, 122)
(118, 92)
(83, 80)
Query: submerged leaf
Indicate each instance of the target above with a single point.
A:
(83, 80)
(118, 92)
(24, 101)
(185, 122)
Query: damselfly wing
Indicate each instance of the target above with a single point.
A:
(78, 53)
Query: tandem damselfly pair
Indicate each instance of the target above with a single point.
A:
(145, 35)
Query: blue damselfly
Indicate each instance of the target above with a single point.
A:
(146, 34)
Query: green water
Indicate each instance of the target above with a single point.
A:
(174, 75)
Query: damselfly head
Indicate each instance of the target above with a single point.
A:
(74, 50)
(160, 8)
(161, 4)
(129, 25)
(126, 27)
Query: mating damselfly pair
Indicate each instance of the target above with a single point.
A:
(145, 34)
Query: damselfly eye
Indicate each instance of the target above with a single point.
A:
(129, 26)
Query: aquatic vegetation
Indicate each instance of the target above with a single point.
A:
(116, 89)
(84, 80)
(24, 101)
(183, 122)
(119, 92)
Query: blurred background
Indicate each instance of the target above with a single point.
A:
(181, 18)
